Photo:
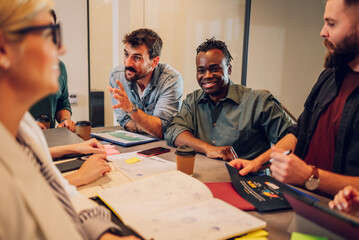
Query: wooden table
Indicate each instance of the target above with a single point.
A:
(205, 170)
(212, 170)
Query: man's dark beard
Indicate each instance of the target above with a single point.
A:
(134, 78)
(345, 51)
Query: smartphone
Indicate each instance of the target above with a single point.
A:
(153, 151)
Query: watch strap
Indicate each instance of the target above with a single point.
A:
(134, 109)
(313, 181)
(315, 173)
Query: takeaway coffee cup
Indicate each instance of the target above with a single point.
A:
(185, 159)
(83, 129)
(44, 120)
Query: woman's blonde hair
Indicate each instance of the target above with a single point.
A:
(17, 14)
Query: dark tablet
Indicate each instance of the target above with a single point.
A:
(70, 165)
(318, 212)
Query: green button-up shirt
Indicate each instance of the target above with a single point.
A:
(248, 120)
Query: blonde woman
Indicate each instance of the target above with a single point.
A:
(36, 201)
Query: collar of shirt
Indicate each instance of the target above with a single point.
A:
(232, 95)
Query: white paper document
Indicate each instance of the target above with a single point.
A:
(173, 205)
(141, 166)
(124, 171)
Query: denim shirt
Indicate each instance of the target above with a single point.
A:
(245, 119)
(161, 98)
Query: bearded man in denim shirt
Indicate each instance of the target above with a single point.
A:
(145, 93)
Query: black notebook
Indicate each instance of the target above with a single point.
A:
(264, 192)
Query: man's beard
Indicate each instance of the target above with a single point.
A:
(134, 78)
(345, 51)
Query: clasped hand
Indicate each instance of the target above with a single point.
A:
(226, 153)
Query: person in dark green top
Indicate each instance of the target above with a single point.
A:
(223, 116)
(56, 106)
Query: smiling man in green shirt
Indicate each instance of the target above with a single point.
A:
(223, 116)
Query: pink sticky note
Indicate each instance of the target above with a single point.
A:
(109, 146)
(112, 152)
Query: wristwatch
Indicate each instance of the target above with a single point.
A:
(313, 182)
(134, 109)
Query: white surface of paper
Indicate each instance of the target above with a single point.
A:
(153, 195)
(209, 219)
(175, 206)
(146, 167)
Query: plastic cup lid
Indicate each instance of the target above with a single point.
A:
(185, 151)
(83, 123)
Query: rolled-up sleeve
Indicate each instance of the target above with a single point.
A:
(170, 100)
(273, 118)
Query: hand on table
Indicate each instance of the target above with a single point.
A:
(289, 168)
(69, 124)
(245, 166)
(226, 153)
(121, 96)
(346, 200)
(94, 167)
(89, 146)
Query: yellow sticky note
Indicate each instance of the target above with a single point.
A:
(256, 235)
(133, 160)
(259, 233)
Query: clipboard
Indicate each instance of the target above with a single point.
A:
(124, 138)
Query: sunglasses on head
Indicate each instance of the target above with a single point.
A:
(55, 32)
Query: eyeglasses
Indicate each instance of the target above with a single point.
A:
(55, 32)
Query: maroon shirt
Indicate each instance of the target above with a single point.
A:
(322, 145)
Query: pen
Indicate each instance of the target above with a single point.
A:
(234, 154)
(270, 160)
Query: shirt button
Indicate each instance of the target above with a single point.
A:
(214, 124)
(213, 141)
